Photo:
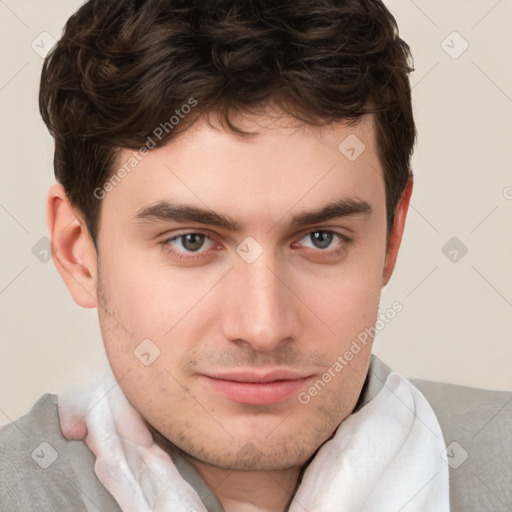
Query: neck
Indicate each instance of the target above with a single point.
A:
(242, 491)
(250, 491)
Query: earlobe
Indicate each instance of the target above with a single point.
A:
(395, 237)
(75, 254)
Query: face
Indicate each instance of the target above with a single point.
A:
(233, 274)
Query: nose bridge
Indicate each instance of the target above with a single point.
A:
(264, 312)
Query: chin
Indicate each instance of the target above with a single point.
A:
(251, 454)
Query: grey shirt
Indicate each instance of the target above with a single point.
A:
(40, 470)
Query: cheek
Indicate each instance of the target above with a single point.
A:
(347, 297)
(143, 300)
(350, 311)
(148, 297)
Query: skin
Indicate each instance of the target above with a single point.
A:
(297, 306)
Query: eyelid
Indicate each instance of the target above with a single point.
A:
(182, 232)
(307, 231)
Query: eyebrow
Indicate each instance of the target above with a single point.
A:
(165, 211)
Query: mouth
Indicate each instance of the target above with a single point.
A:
(255, 388)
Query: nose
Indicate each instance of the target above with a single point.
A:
(261, 308)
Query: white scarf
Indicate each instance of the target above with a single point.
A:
(386, 457)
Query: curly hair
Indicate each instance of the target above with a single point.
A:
(122, 68)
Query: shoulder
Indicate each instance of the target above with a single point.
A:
(477, 428)
(41, 470)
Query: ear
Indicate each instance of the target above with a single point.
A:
(395, 237)
(74, 253)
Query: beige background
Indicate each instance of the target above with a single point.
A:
(456, 323)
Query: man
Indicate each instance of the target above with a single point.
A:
(233, 183)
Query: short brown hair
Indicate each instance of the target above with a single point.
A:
(122, 68)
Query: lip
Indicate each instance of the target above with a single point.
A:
(257, 388)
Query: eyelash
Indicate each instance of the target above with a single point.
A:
(191, 257)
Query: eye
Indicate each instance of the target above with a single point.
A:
(188, 243)
(322, 239)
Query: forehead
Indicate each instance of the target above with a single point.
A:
(285, 166)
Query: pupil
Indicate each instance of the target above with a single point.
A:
(193, 242)
(322, 239)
